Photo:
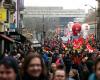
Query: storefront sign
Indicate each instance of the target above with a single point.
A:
(3, 14)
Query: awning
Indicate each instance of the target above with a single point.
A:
(36, 45)
(6, 37)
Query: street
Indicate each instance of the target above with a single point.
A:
(49, 40)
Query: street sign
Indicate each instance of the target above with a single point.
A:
(3, 14)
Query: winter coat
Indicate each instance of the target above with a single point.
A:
(92, 77)
(45, 57)
(70, 78)
(68, 63)
(55, 57)
(28, 77)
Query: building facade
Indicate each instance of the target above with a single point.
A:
(45, 19)
(98, 22)
(10, 17)
(63, 16)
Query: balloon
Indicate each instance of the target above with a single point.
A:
(76, 28)
(85, 27)
(89, 48)
(77, 43)
(70, 24)
(85, 30)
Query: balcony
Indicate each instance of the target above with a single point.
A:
(10, 4)
(8, 1)
(13, 7)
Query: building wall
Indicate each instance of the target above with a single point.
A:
(53, 12)
(91, 19)
(19, 15)
(48, 18)
(62, 15)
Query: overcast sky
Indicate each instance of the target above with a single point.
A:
(67, 4)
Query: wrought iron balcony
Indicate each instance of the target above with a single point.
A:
(8, 1)
(13, 7)
(10, 4)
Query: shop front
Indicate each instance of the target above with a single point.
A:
(5, 43)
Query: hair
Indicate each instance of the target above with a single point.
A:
(74, 71)
(60, 67)
(10, 62)
(31, 56)
(76, 74)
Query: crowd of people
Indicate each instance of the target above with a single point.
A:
(49, 62)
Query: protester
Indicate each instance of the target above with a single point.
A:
(68, 62)
(53, 67)
(59, 74)
(55, 56)
(74, 74)
(9, 69)
(84, 73)
(90, 63)
(52, 61)
(96, 75)
(34, 68)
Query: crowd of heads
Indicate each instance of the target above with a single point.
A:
(48, 63)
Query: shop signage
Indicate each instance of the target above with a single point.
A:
(3, 14)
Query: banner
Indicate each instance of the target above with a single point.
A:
(3, 14)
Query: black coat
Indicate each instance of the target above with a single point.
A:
(27, 77)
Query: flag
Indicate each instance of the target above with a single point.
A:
(77, 43)
(90, 48)
(63, 45)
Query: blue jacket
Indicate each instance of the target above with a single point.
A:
(92, 77)
(45, 57)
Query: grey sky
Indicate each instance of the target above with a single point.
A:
(67, 4)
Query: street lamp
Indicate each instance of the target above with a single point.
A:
(90, 6)
(43, 29)
(95, 10)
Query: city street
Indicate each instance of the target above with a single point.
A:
(49, 40)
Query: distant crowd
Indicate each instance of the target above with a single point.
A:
(51, 61)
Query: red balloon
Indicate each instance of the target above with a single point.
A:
(76, 28)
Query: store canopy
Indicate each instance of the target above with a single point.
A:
(35, 43)
(6, 37)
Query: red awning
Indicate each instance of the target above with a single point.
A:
(6, 37)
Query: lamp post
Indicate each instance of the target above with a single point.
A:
(95, 10)
(43, 30)
(90, 6)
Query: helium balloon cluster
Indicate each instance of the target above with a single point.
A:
(77, 28)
